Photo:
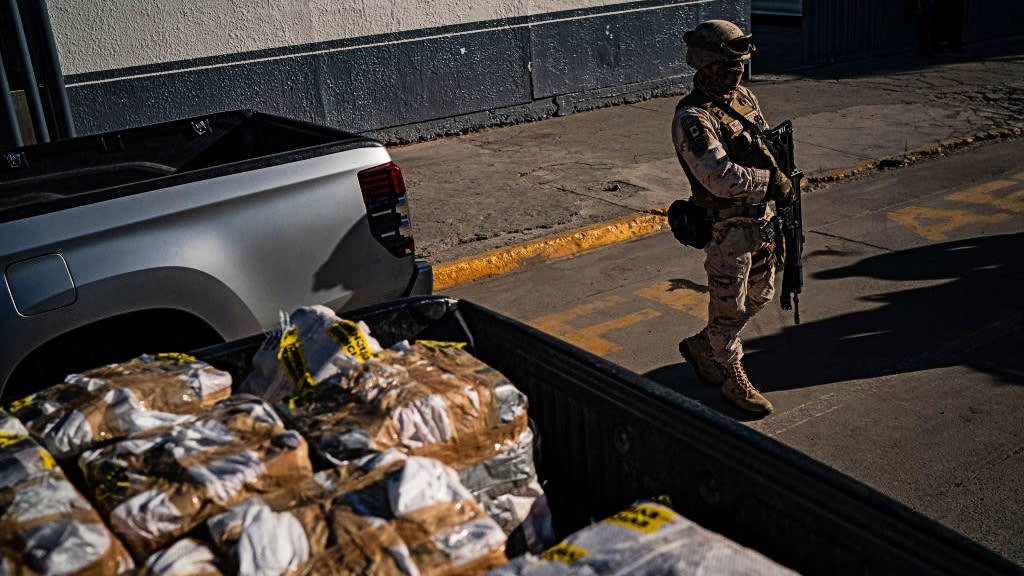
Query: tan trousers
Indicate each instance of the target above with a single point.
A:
(741, 280)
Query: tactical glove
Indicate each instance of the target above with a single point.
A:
(780, 188)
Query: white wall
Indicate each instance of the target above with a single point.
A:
(94, 35)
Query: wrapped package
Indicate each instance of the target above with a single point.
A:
(383, 514)
(401, 399)
(120, 400)
(160, 484)
(646, 539)
(309, 345)
(276, 533)
(46, 525)
(506, 487)
(186, 557)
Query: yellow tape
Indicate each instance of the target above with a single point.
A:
(440, 344)
(663, 499)
(564, 552)
(19, 404)
(48, 462)
(175, 358)
(6, 439)
(351, 340)
(641, 518)
(114, 480)
(293, 360)
(300, 398)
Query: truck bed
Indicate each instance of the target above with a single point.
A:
(58, 175)
(609, 437)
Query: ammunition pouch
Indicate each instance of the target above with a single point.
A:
(690, 224)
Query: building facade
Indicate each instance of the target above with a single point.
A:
(398, 70)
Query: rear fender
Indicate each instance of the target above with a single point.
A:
(188, 292)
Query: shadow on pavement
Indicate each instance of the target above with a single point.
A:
(973, 317)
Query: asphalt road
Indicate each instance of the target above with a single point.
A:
(906, 371)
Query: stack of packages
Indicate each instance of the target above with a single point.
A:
(381, 514)
(46, 526)
(120, 400)
(647, 539)
(350, 398)
(89, 410)
(159, 484)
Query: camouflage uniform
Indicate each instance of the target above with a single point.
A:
(716, 152)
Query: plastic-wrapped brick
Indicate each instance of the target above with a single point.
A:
(507, 488)
(382, 514)
(160, 484)
(186, 557)
(647, 539)
(401, 399)
(119, 400)
(46, 525)
(275, 533)
(308, 343)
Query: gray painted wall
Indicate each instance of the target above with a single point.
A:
(401, 71)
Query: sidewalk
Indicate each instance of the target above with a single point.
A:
(490, 201)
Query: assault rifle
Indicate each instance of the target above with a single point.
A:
(780, 142)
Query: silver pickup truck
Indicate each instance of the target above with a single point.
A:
(187, 233)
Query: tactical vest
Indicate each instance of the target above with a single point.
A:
(742, 151)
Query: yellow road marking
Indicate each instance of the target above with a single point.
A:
(589, 337)
(679, 298)
(934, 223)
(549, 247)
(983, 194)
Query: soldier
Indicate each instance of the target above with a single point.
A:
(733, 176)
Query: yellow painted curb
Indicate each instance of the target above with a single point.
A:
(553, 246)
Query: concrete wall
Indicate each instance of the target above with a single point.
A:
(400, 70)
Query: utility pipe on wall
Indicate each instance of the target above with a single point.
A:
(35, 105)
(51, 73)
(10, 136)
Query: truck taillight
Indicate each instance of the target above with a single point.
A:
(386, 208)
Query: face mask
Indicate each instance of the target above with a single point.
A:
(725, 76)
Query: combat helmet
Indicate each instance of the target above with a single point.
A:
(716, 41)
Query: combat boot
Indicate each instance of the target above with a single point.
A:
(738, 390)
(697, 351)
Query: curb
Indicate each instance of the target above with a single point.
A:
(822, 179)
(652, 220)
(548, 247)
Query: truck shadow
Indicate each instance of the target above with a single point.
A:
(964, 308)
(363, 269)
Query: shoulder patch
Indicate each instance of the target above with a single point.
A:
(695, 135)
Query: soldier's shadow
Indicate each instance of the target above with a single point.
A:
(974, 317)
